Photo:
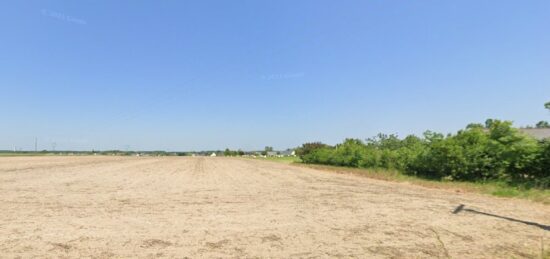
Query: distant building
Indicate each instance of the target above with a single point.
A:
(539, 134)
(289, 152)
(272, 153)
(213, 154)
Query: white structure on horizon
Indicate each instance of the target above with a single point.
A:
(537, 133)
(213, 154)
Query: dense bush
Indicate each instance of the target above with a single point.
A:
(308, 148)
(494, 151)
(539, 169)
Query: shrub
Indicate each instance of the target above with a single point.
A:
(322, 155)
(307, 148)
(540, 169)
(496, 151)
(350, 153)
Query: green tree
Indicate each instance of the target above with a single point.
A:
(488, 123)
(349, 153)
(494, 151)
(267, 149)
(308, 148)
(384, 141)
(475, 125)
(227, 152)
(542, 125)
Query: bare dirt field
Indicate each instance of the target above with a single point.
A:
(107, 207)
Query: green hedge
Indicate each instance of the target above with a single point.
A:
(476, 153)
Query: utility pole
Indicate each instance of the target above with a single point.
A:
(35, 144)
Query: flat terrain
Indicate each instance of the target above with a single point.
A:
(223, 207)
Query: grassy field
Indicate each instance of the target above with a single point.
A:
(286, 160)
(493, 188)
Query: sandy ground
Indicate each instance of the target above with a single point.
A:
(107, 207)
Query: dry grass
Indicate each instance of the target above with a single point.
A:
(493, 188)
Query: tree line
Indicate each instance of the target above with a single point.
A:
(480, 152)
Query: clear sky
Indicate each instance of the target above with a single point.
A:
(194, 75)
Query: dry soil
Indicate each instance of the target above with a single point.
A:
(221, 207)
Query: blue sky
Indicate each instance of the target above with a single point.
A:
(193, 75)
